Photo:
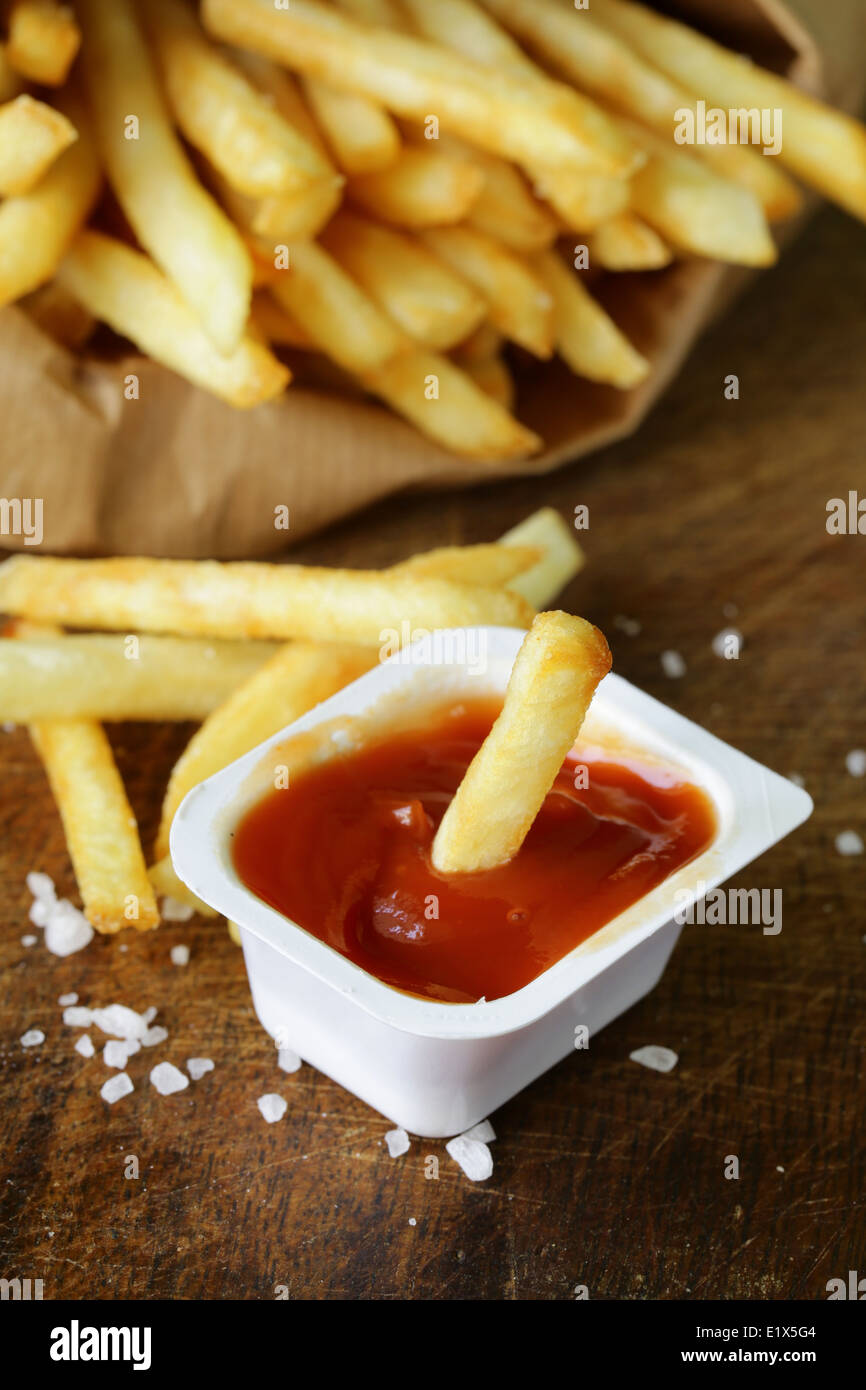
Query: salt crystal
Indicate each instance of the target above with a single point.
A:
(397, 1141)
(273, 1107)
(167, 1078)
(150, 1014)
(654, 1057)
(40, 911)
(132, 1046)
(33, 1037)
(41, 886)
(673, 665)
(474, 1157)
(116, 1087)
(120, 1021)
(77, 1017)
(179, 955)
(67, 999)
(287, 1060)
(153, 1036)
(67, 930)
(85, 1046)
(114, 1054)
(630, 626)
(849, 842)
(412, 1221)
(173, 910)
(855, 762)
(483, 1131)
(198, 1066)
(29, 940)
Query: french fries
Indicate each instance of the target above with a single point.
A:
(296, 678)
(424, 187)
(100, 828)
(560, 560)
(586, 337)
(419, 292)
(627, 243)
(121, 677)
(244, 599)
(362, 136)
(554, 678)
(43, 40)
(32, 135)
(475, 564)
(176, 221)
(125, 290)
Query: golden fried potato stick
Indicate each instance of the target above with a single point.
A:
(490, 564)
(223, 114)
(360, 133)
(166, 884)
(43, 40)
(586, 336)
(627, 243)
(37, 227)
(99, 825)
(244, 598)
(125, 289)
(825, 148)
(11, 82)
(174, 218)
(295, 679)
(560, 561)
(553, 680)
(425, 187)
(32, 136)
(505, 112)
(493, 376)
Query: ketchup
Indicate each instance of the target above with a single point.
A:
(345, 852)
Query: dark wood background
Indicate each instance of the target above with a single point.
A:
(605, 1174)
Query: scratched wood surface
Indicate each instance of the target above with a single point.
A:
(606, 1175)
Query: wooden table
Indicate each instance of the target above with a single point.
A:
(606, 1175)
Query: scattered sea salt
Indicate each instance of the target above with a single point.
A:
(85, 1046)
(40, 911)
(66, 999)
(33, 1037)
(849, 842)
(397, 1141)
(41, 886)
(77, 1017)
(173, 910)
(150, 1014)
(273, 1107)
(29, 940)
(167, 1078)
(654, 1057)
(115, 1054)
(630, 626)
(855, 762)
(474, 1157)
(153, 1036)
(483, 1131)
(673, 665)
(412, 1221)
(120, 1021)
(179, 955)
(116, 1087)
(198, 1067)
(67, 930)
(287, 1060)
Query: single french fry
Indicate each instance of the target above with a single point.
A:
(122, 676)
(425, 187)
(492, 376)
(32, 136)
(577, 46)
(627, 243)
(100, 828)
(361, 134)
(553, 680)
(207, 598)
(582, 201)
(335, 312)
(296, 678)
(484, 343)
(223, 114)
(387, 13)
(43, 40)
(507, 209)
(166, 884)
(586, 337)
(276, 325)
(560, 561)
(825, 148)
(423, 296)
(11, 82)
(59, 315)
(505, 112)
(37, 227)
(174, 218)
(444, 402)
(518, 302)
(125, 290)
(491, 564)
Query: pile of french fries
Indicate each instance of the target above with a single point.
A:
(245, 648)
(247, 188)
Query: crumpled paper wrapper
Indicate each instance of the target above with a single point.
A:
(178, 473)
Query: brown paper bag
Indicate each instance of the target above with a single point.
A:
(178, 473)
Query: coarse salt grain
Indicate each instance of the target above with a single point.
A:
(41, 886)
(179, 955)
(173, 910)
(153, 1036)
(655, 1057)
(67, 930)
(29, 940)
(120, 1021)
(287, 1060)
(66, 999)
(150, 1014)
(483, 1131)
(33, 1037)
(167, 1078)
(849, 842)
(115, 1054)
(673, 665)
(630, 626)
(198, 1067)
(397, 1141)
(77, 1017)
(474, 1157)
(40, 911)
(855, 762)
(116, 1087)
(273, 1107)
(84, 1045)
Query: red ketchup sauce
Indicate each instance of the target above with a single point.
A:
(345, 852)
